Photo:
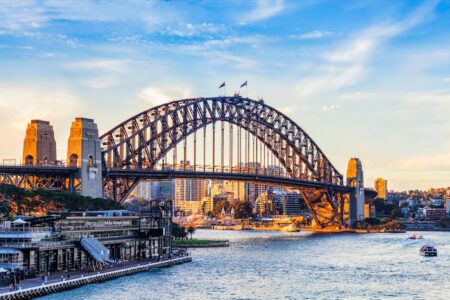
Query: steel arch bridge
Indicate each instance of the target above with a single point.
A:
(258, 144)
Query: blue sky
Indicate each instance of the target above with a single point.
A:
(369, 79)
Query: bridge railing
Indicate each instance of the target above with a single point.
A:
(274, 171)
(14, 163)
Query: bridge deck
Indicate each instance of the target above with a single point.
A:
(249, 177)
(38, 170)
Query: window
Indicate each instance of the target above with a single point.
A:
(73, 160)
(29, 160)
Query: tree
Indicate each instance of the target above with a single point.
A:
(243, 210)
(191, 230)
(217, 210)
(178, 231)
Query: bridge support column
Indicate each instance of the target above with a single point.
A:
(84, 152)
(39, 146)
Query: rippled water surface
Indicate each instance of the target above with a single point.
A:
(274, 265)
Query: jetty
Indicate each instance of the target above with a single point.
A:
(32, 288)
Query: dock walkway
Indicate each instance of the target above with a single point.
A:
(30, 288)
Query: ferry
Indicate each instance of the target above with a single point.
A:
(428, 250)
(289, 228)
(415, 236)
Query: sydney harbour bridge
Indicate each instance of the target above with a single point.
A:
(223, 138)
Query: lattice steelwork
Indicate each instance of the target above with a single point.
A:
(145, 142)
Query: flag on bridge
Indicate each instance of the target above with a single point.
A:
(222, 85)
(244, 84)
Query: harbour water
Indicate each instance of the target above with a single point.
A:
(275, 265)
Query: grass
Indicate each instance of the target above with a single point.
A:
(195, 241)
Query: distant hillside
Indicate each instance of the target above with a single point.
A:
(15, 200)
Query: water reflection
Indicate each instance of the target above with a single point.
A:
(275, 265)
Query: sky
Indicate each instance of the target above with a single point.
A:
(367, 79)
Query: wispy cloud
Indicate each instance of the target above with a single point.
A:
(155, 95)
(99, 64)
(264, 9)
(195, 30)
(313, 35)
(347, 64)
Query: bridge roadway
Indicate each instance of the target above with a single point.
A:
(248, 177)
(39, 170)
(171, 174)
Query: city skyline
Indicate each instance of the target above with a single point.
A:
(380, 79)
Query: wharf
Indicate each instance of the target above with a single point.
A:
(31, 288)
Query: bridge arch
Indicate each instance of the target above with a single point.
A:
(144, 139)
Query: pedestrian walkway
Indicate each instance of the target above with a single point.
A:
(81, 274)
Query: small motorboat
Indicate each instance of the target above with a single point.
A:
(415, 236)
(428, 250)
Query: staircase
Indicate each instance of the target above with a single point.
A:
(96, 249)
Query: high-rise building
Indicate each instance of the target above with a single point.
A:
(381, 188)
(189, 190)
(355, 178)
(288, 203)
(236, 187)
(163, 189)
(143, 190)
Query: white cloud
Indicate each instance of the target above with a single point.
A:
(159, 95)
(347, 64)
(264, 9)
(313, 35)
(19, 104)
(194, 30)
(100, 64)
(101, 82)
(334, 79)
(330, 107)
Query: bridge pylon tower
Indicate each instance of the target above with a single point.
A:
(84, 152)
(355, 179)
(39, 146)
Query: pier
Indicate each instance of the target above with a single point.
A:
(35, 288)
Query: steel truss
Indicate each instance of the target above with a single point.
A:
(142, 141)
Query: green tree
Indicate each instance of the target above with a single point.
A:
(191, 230)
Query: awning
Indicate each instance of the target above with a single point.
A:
(19, 221)
(2, 270)
(10, 266)
(9, 251)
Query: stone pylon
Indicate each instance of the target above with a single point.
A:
(84, 152)
(39, 146)
(355, 178)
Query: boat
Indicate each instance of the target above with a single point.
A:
(289, 228)
(428, 250)
(415, 236)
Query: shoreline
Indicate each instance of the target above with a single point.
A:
(199, 243)
(39, 290)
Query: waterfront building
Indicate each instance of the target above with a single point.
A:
(381, 188)
(289, 203)
(207, 205)
(84, 240)
(265, 205)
